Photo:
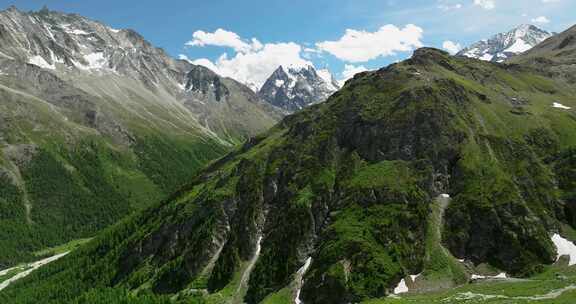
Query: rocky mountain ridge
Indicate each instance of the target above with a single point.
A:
(503, 46)
(293, 88)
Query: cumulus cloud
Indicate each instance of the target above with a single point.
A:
(224, 38)
(485, 4)
(362, 46)
(451, 47)
(351, 70)
(541, 19)
(252, 66)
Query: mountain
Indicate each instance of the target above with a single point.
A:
(555, 56)
(427, 173)
(96, 122)
(293, 88)
(506, 45)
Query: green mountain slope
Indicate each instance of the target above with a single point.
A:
(360, 186)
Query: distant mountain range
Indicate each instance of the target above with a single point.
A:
(293, 89)
(506, 45)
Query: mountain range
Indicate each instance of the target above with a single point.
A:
(95, 123)
(430, 173)
(503, 46)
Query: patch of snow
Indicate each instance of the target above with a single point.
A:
(328, 79)
(565, 247)
(486, 57)
(401, 288)
(445, 195)
(472, 53)
(502, 275)
(560, 106)
(250, 267)
(414, 277)
(41, 62)
(279, 83)
(113, 30)
(520, 46)
(78, 32)
(95, 61)
(300, 276)
(49, 32)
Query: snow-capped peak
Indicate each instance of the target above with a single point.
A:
(295, 87)
(505, 45)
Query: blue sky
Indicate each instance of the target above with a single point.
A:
(281, 27)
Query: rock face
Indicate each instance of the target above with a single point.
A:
(506, 45)
(293, 89)
(109, 116)
(94, 55)
(352, 185)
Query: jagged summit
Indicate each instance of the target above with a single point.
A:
(506, 45)
(293, 88)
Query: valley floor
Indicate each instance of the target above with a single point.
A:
(556, 285)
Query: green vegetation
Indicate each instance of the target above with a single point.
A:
(72, 245)
(352, 183)
(75, 191)
(556, 284)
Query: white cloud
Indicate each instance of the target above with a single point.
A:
(451, 47)
(550, 1)
(541, 19)
(224, 38)
(449, 7)
(253, 67)
(351, 70)
(362, 46)
(485, 4)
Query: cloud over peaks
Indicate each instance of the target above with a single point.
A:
(224, 38)
(362, 46)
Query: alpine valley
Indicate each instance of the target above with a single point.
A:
(437, 179)
(96, 123)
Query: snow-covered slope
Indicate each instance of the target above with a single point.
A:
(505, 45)
(295, 88)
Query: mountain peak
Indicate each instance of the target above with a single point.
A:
(295, 87)
(501, 47)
